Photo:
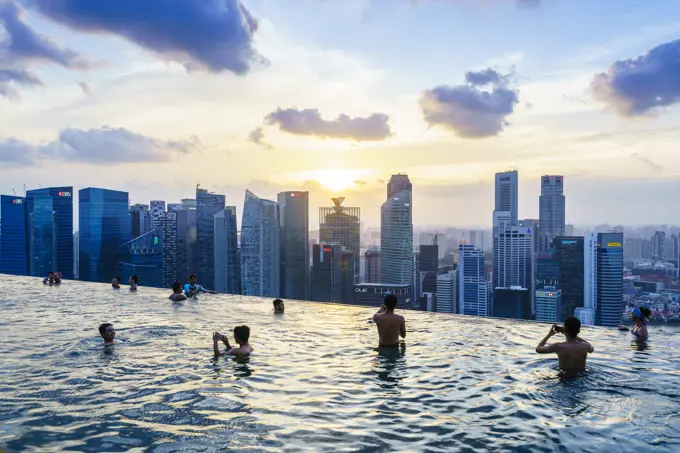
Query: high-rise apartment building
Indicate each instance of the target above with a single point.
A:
(474, 290)
(207, 205)
(372, 265)
(446, 292)
(341, 225)
(157, 211)
(507, 188)
(227, 260)
(50, 231)
(610, 304)
(104, 225)
(14, 256)
(637, 248)
(551, 205)
(143, 257)
(658, 246)
(294, 241)
(396, 233)
(332, 278)
(260, 247)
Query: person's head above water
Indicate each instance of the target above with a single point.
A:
(390, 301)
(50, 274)
(107, 332)
(193, 279)
(640, 313)
(115, 282)
(177, 288)
(278, 306)
(572, 326)
(134, 279)
(241, 334)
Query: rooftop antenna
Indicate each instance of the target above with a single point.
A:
(24, 190)
(14, 192)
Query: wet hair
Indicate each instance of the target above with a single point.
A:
(572, 326)
(117, 278)
(192, 276)
(50, 273)
(277, 302)
(391, 301)
(645, 312)
(135, 279)
(177, 286)
(242, 333)
(102, 328)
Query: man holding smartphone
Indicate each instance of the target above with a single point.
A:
(390, 325)
(573, 352)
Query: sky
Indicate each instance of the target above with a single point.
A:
(333, 96)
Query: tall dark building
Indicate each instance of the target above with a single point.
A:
(658, 245)
(207, 205)
(227, 259)
(50, 231)
(186, 243)
(332, 278)
(609, 309)
(398, 183)
(428, 263)
(551, 205)
(294, 240)
(167, 224)
(104, 226)
(141, 219)
(372, 268)
(143, 257)
(341, 225)
(569, 255)
(13, 235)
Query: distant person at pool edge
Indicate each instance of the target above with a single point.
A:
(278, 306)
(108, 333)
(639, 316)
(241, 336)
(390, 325)
(115, 283)
(573, 353)
(192, 288)
(57, 278)
(177, 294)
(134, 280)
(49, 279)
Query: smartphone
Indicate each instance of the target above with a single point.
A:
(558, 329)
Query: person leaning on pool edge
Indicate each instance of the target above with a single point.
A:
(573, 353)
(390, 325)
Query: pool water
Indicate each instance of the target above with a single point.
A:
(315, 382)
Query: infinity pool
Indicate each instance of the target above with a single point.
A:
(315, 382)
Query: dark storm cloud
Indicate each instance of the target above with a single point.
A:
(310, 122)
(97, 146)
(22, 43)
(214, 35)
(643, 84)
(9, 78)
(468, 110)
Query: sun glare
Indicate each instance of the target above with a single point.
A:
(334, 180)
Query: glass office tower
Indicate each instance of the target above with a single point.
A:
(207, 205)
(50, 231)
(294, 244)
(260, 247)
(13, 236)
(105, 225)
(143, 257)
(609, 309)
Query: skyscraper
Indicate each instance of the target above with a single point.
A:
(658, 245)
(513, 266)
(474, 290)
(141, 219)
(207, 205)
(396, 233)
(13, 235)
(227, 261)
(143, 257)
(104, 226)
(260, 247)
(446, 292)
(586, 313)
(551, 207)
(332, 278)
(372, 269)
(294, 240)
(570, 258)
(341, 225)
(50, 231)
(428, 263)
(167, 225)
(186, 243)
(549, 305)
(157, 211)
(507, 188)
(610, 305)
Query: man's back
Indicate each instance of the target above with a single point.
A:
(572, 355)
(390, 327)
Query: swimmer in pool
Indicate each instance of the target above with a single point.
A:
(639, 316)
(278, 306)
(241, 336)
(134, 280)
(115, 283)
(572, 354)
(49, 279)
(108, 333)
(57, 278)
(192, 289)
(390, 325)
(177, 294)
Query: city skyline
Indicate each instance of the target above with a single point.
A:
(314, 105)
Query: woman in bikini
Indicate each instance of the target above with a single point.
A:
(639, 316)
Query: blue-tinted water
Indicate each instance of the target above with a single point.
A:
(314, 382)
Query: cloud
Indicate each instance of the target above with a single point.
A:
(11, 77)
(214, 35)
(309, 122)
(22, 43)
(654, 167)
(103, 146)
(641, 85)
(256, 135)
(85, 87)
(468, 110)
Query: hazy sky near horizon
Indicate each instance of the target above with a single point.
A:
(333, 96)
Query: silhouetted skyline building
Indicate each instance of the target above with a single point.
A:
(332, 278)
(186, 243)
(143, 257)
(294, 240)
(341, 225)
(227, 259)
(207, 205)
(372, 265)
(13, 235)
(167, 224)
(551, 204)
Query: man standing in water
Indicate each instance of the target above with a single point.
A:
(192, 288)
(572, 354)
(390, 325)
(108, 333)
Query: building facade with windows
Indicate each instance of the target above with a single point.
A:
(260, 247)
